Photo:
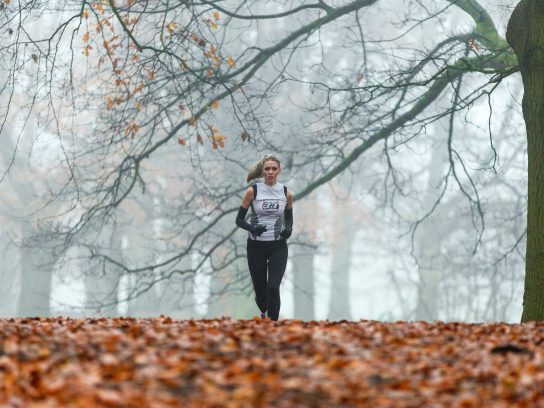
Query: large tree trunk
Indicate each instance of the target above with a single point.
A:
(146, 304)
(302, 259)
(36, 277)
(525, 34)
(430, 274)
(303, 280)
(176, 295)
(243, 300)
(101, 289)
(10, 278)
(135, 252)
(428, 248)
(231, 292)
(339, 304)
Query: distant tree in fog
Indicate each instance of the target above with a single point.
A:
(140, 88)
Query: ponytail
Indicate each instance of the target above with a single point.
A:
(256, 171)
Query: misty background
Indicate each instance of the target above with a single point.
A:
(125, 205)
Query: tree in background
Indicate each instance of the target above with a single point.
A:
(155, 76)
(526, 35)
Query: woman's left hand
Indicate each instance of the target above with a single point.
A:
(286, 233)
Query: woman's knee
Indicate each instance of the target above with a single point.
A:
(273, 290)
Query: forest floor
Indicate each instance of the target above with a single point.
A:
(156, 362)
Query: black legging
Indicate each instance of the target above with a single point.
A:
(271, 255)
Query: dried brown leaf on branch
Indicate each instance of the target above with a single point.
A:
(159, 362)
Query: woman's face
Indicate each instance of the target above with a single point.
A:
(271, 170)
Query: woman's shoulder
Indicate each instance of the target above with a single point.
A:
(250, 192)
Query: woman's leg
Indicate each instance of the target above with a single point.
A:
(276, 268)
(256, 261)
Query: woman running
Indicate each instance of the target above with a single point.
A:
(270, 224)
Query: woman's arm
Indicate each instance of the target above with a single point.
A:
(242, 211)
(288, 216)
(248, 198)
(289, 204)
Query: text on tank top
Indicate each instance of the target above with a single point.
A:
(267, 209)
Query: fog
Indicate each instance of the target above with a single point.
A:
(124, 158)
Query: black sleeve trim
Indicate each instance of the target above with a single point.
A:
(241, 219)
(288, 214)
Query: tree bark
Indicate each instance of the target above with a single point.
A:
(428, 248)
(36, 277)
(525, 33)
(303, 280)
(430, 273)
(228, 293)
(339, 301)
(101, 287)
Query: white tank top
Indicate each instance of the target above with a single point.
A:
(267, 209)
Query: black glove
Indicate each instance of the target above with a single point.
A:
(286, 233)
(288, 218)
(241, 222)
(257, 229)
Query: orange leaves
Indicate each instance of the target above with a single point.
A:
(109, 102)
(103, 22)
(132, 129)
(200, 41)
(87, 49)
(212, 23)
(216, 139)
(171, 27)
(113, 101)
(212, 55)
(139, 88)
(166, 362)
(98, 7)
(131, 70)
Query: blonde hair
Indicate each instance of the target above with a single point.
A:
(256, 170)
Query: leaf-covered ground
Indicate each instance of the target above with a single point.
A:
(244, 363)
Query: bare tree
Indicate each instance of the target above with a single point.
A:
(156, 74)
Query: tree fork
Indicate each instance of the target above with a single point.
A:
(525, 33)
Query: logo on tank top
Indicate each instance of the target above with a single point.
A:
(271, 206)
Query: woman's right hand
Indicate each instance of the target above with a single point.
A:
(257, 229)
